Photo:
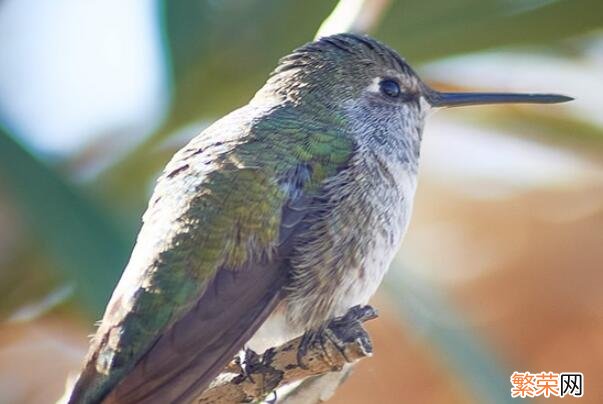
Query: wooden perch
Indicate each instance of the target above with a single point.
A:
(342, 341)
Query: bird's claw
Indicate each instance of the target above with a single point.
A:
(306, 342)
(340, 332)
(344, 330)
(247, 362)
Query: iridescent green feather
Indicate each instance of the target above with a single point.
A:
(220, 202)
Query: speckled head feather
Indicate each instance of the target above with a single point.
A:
(341, 65)
(344, 47)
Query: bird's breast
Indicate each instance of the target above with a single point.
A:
(343, 258)
(391, 201)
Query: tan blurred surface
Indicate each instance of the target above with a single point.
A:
(35, 359)
(403, 369)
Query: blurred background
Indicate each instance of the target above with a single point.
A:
(501, 269)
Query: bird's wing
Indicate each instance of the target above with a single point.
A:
(210, 260)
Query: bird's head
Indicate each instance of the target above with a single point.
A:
(359, 81)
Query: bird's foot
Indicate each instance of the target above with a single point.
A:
(261, 368)
(340, 332)
(247, 361)
(309, 338)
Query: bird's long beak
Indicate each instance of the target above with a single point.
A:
(439, 99)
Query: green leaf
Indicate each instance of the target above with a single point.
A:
(80, 236)
(222, 51)
(423, 30)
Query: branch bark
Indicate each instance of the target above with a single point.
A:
(342, 341)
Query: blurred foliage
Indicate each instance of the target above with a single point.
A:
(424, 30)
(220, 53)
(79, 236)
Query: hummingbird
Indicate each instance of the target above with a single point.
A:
(280, 216)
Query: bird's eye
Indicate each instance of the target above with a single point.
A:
(390, 88)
